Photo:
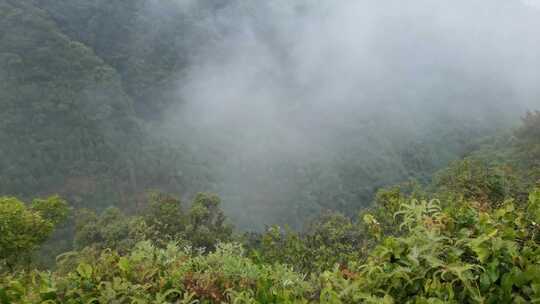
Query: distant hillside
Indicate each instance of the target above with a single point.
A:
(66, 123)
(278, 106)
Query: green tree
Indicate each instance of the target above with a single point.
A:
(528, 145)
(207, 222)
(111, 229)
(53, 208)
(528, 136)
(165, 218)
(23, 228)
(329, 240)
(164, 221)
(474, 180)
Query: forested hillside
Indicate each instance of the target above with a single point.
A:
(66, 123)
(280, 151)
(103, 101)
(470, 236)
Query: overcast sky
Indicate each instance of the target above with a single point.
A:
(535, 3)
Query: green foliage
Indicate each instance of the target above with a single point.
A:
(206, 222)
(528, 146)
(83, 86)
(455, 254)
(329, 240)
(53, 209)
(461, 254)
(383, 217)
(528, 136)
(164, 221)
(111, 229)
(153, 275)
(23, 228)
(479, 242)
(473, 180)
(166, 217)
(533, 209)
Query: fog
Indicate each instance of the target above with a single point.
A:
(282, 98)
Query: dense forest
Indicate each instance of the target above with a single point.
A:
(229, 151)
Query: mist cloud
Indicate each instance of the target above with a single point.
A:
(280, 84)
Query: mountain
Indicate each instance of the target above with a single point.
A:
(66, 121)
(283, 108)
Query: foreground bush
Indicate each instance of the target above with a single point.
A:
(152, 275)
(460, 254)
(23, 227)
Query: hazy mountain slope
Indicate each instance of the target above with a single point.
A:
(147, 42)
(65, 122)
(282, 107)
